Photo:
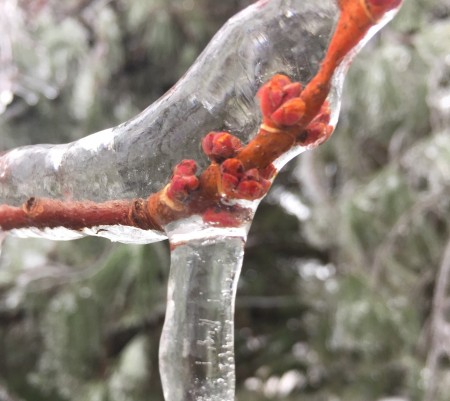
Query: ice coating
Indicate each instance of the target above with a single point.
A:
(197, 343)
(136, 158)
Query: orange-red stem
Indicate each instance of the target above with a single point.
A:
(50, 213)
(355, 20)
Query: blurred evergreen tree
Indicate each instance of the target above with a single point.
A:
(339, 297)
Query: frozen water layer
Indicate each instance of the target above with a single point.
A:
(197, 343)
(136, 158)
(116, 233)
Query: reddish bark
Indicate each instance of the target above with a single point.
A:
(51, 213)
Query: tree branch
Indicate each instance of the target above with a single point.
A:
(50, 213)
(293, 119)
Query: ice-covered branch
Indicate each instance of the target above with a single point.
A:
(218, 93)
(311, 42)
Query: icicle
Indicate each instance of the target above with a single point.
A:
(197, 344)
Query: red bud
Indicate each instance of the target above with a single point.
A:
(251, 175)
(250, 190)
(229, 183)
(233, 167)
(185, 167)
(292, 90)
(219, 146)
(181, 186)
(289, 113)
(315, 132)
(275, 92)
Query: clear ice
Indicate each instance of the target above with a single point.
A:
(197, 344)
(135, 159)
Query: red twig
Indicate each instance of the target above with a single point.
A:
(43, 212)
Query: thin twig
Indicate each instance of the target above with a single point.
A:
(50, 213)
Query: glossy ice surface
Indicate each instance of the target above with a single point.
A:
(197, 344)
(136, 158)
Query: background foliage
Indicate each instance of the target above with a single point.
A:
(344, 291)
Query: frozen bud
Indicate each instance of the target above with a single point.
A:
(275, 92)
(292, 90)
(181, 186)
(240, 184)
(229, 183)
(185, 167)
(270, 95)
(251, 175)
(231, 171)
(252, 190)
(316, 133)
(219, 146)
(233, 167)
(318, 130)
(289, 113)
(252, 185)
